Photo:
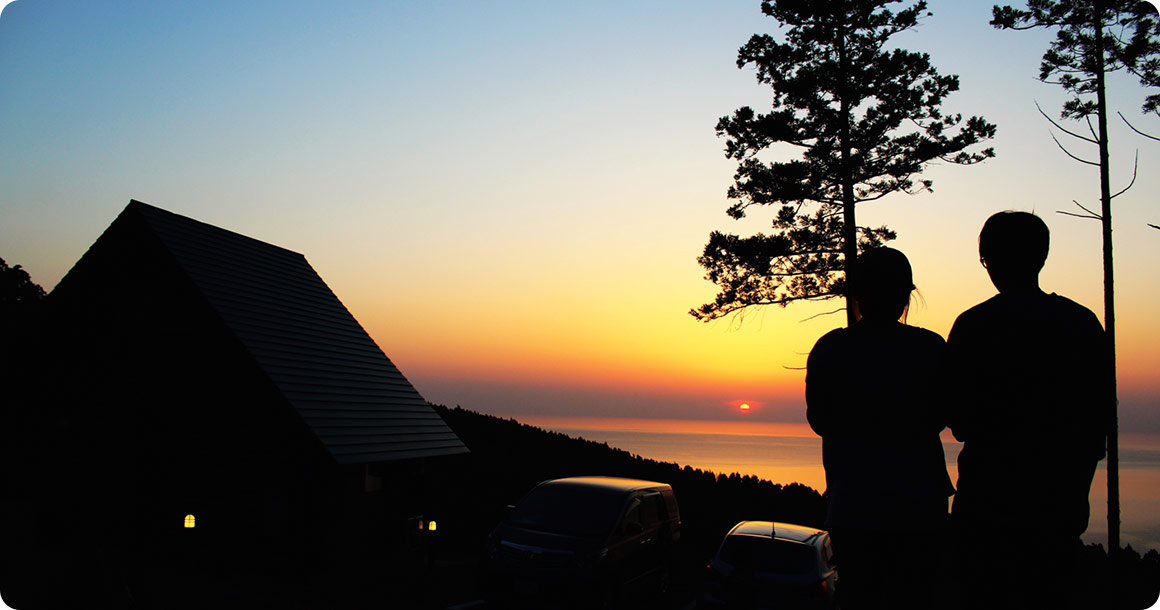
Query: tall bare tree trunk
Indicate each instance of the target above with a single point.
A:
(1109, 293)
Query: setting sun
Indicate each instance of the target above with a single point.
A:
(744, 407)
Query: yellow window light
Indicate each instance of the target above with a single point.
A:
(189, 522)
(431, 526)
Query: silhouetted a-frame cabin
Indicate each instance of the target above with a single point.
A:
(213, 380)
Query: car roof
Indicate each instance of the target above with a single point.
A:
(607, 483)
(778, 530)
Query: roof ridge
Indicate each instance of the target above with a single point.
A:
(147, 210)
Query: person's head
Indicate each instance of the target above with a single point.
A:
(881, 284)
(1013, 247)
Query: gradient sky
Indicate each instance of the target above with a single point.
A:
(510, 196)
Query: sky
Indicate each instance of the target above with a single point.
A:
(511, 196)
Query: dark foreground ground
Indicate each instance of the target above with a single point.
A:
(442, 569)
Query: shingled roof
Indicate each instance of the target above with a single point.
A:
(319, 358)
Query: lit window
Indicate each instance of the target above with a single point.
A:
(189, 522)
(431, 526)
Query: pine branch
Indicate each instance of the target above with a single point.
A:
(1068, 153)
(1135, 167)
(798, 273)
(1133, 128)
(1090, 214)
(1073, 215)
(1061, 128)
(706, 313)
(826, 313)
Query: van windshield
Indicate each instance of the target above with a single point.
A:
(572, 510)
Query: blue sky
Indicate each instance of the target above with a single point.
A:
(511, 196)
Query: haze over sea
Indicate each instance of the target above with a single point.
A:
(787, 453)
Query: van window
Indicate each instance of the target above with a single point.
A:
(631, 515)
(652, 510)
(577, 511)
(671, 512)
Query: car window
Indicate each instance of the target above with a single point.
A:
(652, 510)
(768, 555)
(631, 516)
(671, 510)
(568, 510)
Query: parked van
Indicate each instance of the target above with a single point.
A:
(585, 541)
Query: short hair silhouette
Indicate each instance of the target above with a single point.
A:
(881, 283)
(1014, 241)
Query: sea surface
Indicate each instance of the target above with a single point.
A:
(789, 453)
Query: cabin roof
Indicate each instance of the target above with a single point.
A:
(317, 356)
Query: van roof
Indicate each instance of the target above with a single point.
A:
(609, 483)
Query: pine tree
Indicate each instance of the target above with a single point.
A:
(866, 121)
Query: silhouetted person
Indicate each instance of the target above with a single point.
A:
(1029, 376)
(870, 396)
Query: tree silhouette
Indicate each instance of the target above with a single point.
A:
(20, 303)
(18, 293)
(866, 121)
(1093, 38)
(21, 300)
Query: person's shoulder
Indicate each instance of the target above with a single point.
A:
(923, 335)
(834, 340)
(987, 307)
(1065, 304)
(979, 314)
(836, 336)
(1068, 309)
(829, 349)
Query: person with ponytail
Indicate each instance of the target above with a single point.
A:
(872, 394)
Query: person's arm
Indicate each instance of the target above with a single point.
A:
(955, 387)
(822, 384)
(935, 415)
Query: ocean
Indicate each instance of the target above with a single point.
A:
(789, 453)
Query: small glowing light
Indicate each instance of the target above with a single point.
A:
(189, 522)
(744, 406)
(431, 526)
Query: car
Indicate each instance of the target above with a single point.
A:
(766, 564)
(585, 541)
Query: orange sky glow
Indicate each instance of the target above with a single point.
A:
(536, 253)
